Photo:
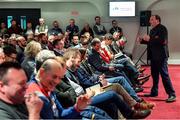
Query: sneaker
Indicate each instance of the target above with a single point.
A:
(171, 99)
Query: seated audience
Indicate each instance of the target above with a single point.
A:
(44, 83)
(108, 46)
(88, 77)
(72, 58)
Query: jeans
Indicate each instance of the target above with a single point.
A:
(122, 92)
(123, 82)
(108, 97)
(129, 69)
(161, 67)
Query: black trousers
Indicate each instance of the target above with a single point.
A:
(160, 67)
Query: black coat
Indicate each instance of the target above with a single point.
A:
(157, 48)
(97, 62)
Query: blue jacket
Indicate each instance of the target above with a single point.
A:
(85, 78)
(57, 111)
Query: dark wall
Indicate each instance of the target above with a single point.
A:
(31, 14)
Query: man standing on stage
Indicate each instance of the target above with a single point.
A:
(158, 54)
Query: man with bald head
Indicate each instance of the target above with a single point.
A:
(49, 75)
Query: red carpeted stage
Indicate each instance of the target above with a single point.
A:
(164, 110)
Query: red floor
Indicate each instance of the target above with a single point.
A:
(165, 110)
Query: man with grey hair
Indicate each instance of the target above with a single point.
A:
(42, 56)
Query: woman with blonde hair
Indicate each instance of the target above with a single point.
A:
(31, 50)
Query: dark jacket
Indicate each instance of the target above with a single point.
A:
(73, 30)
(20, 54)
(55, 31)
(15, 30)
(115, 29)
(86, 79)
(157, 48)
(65, 94)
(97, 62)
(90, 32)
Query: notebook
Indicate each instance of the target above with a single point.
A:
(118, 55)
(96, 88)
